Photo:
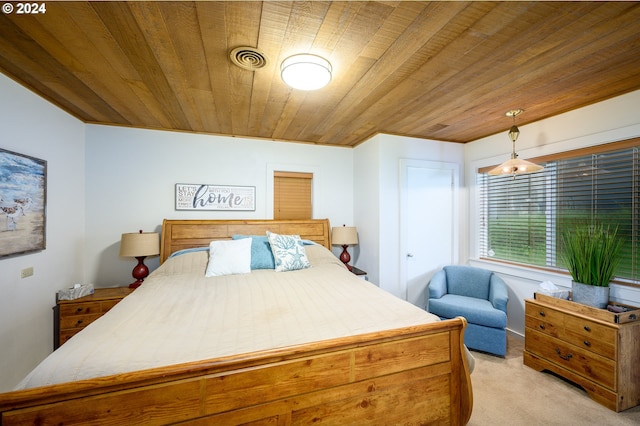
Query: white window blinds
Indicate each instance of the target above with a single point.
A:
(521, 219)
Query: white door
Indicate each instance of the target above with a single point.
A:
(428, 224)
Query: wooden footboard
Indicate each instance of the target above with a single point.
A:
(413, 375)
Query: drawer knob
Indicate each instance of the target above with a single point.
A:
(587, 328)
(566, 357)
(541, 313)
(79, 310)
(542, 326)
(79, 322)
(587, 343)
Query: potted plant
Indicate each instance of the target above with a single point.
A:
(591, 253)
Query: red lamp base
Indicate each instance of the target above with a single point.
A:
(345, 257)
(140, 272)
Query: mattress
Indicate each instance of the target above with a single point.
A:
(178, 315)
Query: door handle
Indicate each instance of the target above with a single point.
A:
(409, 254)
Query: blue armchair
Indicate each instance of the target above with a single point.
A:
(478, 295)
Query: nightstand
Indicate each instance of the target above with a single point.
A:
(71, 316)
(360, 273)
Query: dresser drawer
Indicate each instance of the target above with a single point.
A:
(591, 335)
(544, 320)
(596, 368)
(595, 348)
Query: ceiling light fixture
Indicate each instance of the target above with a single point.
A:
(306, 72)
(515, 166)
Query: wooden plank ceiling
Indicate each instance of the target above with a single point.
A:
(438, 70)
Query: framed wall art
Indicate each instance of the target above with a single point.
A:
(215, 197)
(23, 202)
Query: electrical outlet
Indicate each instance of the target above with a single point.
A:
(26, 272)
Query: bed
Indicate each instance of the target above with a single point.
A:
(310, 345)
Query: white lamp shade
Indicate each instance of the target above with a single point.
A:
(138, 244)
(515, 166)
(306, 72)
(344, 235)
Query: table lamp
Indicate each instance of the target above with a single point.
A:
(344, 236)
(139, 245)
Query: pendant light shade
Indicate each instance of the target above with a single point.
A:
(515, 166)
(306, 72)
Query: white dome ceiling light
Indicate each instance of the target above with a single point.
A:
(306, 72)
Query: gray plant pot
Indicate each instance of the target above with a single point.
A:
(597, 297)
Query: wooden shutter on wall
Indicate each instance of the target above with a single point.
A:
(292, 195)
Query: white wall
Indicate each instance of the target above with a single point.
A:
(609, 121)
(377, 201)
(366, 181)
(131, 176)
(32, 126)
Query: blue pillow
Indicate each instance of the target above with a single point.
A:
(189, 250)
(261, 255)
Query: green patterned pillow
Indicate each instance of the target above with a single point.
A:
(288, 252)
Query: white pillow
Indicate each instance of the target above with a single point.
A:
(288, 252)
(228, 257)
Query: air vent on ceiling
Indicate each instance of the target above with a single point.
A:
(248, 58)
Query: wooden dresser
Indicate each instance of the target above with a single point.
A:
(71, 316)
(594, 348)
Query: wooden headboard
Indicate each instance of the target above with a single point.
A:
(182, 234)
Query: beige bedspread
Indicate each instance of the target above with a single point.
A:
(178, 316)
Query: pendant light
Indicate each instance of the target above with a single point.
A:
(515, 166)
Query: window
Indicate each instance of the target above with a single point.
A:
(521, 219)
(292, 195)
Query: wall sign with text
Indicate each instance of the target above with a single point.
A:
(215, 197)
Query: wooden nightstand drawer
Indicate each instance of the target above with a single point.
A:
(106, 305)
(86, 308)
(74, 315)
(67, 334)
(77, 321)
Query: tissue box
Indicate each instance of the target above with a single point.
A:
(76, 292)
(560, 294)
(550, 289)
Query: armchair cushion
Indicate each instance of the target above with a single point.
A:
(459, 278)
(476, 311)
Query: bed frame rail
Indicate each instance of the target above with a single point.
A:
(413, 375)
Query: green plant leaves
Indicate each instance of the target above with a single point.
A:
(591, 253)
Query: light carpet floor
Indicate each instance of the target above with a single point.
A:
(506, 392)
